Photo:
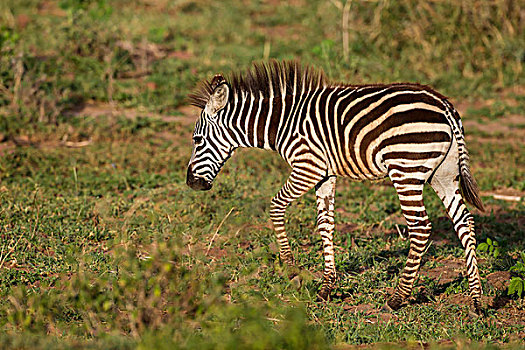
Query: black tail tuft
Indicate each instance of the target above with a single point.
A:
(470, 189)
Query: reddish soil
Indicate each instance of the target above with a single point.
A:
(6, 147)
(499, 279)
(446, 271)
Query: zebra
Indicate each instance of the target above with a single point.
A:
(322, 129)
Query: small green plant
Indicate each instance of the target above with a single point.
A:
(490, 246)
(517, 283)
(8, 38)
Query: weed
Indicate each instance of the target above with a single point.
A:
(490, 246)
(517, 283)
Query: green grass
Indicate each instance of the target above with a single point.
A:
(108, 239)
(104, 246)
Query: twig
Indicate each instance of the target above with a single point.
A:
(217, 230)
(266, 50)
(401, 234)
(504, 197)
(344, 28)
(79, 144)
(427, 247)
(3, 258)
(345, 9)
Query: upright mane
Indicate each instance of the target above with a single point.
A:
(274, 78)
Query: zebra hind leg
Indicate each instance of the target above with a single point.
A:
(410, 193)
(446, 186)
(325, 192)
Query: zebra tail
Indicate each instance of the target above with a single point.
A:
(469, 187)
(467, 183)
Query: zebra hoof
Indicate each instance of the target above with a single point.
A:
(324, 294)
(387, 308)
(296, 281)
(475, 310)
(391, 305)
(292, 271)
(475, 313)
(287, 260)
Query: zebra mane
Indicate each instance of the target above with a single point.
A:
(272, 79)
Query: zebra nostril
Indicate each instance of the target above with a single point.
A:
(196, 183)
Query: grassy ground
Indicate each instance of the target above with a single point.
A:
(103, 244)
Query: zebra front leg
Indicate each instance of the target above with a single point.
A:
(325, 192)
(410, 192)
(277, 212)
(301, 180)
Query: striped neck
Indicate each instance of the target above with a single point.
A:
(254, 121)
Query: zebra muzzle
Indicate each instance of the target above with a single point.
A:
(196, 182)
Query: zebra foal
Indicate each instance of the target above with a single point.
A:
(407, 132)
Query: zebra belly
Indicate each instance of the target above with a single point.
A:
(348, 172)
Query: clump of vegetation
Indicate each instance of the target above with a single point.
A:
(441, 42)
(517, 282)
(490, 246)
(148, 295)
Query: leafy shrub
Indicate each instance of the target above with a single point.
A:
(517, 283)
(490, 246)
(157, 291)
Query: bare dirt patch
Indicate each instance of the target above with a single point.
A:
(446, 271)
(280, 31)
(510, 125)
(505, 216)
(346, 227)
(499, 279)
(50, 8)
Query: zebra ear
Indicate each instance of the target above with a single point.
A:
(219, 97)
(217, 80)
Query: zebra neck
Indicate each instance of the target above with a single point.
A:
(256, 120)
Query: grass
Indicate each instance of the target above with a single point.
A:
(103, 244)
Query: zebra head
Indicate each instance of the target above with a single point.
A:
(212, 144)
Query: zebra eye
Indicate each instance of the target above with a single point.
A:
(197, 139)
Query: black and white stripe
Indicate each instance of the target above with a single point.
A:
(323, 130)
